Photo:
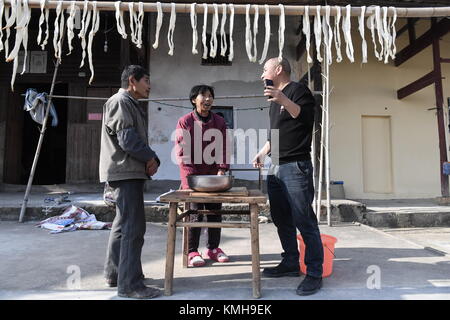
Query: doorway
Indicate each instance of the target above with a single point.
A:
(22, 137)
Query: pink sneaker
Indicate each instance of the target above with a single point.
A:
(216, 255)
(195, 260)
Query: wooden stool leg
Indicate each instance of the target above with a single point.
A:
(186, 238)
(170, 254)
(254, 231)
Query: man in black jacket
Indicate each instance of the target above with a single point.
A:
(126, 161)
(289, 182)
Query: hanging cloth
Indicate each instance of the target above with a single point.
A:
(35, 104)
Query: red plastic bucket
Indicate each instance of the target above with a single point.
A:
(328, 254)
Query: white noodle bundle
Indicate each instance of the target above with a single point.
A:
(173, 17)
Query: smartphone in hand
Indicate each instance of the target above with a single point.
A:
(268, 82)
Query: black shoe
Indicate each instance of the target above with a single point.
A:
(281, 271)
(112, 283)
(309, 285)
(143, 293)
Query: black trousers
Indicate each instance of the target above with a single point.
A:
(123, 256)
(213, 233)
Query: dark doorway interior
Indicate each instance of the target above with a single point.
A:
(51, 167)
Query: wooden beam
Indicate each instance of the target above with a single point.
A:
(438, 30)
(417, 85)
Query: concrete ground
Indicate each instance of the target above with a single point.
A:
(369, 264)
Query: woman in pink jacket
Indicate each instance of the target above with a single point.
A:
(191, 129)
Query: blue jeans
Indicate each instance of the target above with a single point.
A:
(291, 193)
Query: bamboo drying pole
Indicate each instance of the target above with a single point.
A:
(291, 10)
(41, 139)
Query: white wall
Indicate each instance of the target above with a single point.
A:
(173, 76)
(371, 89)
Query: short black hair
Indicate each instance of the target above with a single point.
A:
(200, 89)
(133, 70)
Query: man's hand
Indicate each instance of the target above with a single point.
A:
(277, 95)
(258, 161)
(221, 172)
(151, 167)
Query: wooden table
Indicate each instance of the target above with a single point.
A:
(253, 198)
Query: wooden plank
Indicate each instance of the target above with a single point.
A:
(439, 30)
(214, 224)
(417, 85)
(234, 191)
(185, 197)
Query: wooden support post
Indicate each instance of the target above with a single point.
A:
(39, 146)
(170, 254)
(254, 232)
(440, 115)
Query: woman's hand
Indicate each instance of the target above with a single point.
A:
(221, 172)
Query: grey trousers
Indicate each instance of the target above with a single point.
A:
(123, 256)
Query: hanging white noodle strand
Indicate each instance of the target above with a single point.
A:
(267, 34)
(307, 32)
(119, 20)
(248, 33)
(231, 54)
(328, 35)
(318, 33)
(173, 18)
(94, 29)
(41, 20)
(379, 27)
(205, 25)
(140, 24)
(133, 23)
(337, 33)
(394, 33)
(223, 35)
(56, 30)
(8, 32)
(371, 25)
(71, 25)
(159, 20)
(194, 28)
(281, 32)
(84, 27)
(215, 24)
(346, 26)
(386, 36)
(361, 32)
(255, 32)
(2, 7)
